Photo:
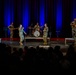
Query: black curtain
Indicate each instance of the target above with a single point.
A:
(34, 10)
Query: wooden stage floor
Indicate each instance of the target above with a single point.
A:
(38, 41)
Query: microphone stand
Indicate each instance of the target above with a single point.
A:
(5, 30)
(30, 30)
(50, 36)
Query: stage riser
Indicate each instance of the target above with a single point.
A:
(51, 42)
(40, 40)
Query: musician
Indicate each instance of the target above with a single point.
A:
(73, 26)
(36, 30)
(21, 35)
(45, 33)
(36, 27)
(11, 28)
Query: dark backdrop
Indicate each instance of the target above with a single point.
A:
(56, 13)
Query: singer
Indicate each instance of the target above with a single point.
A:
(21, 35)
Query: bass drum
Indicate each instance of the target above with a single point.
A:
(36, 33)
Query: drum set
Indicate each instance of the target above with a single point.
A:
(35, 33)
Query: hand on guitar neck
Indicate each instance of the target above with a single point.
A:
(13, 28)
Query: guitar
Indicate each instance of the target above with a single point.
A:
(12, 29)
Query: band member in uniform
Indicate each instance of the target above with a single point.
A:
(45, 34)
(11, 28)
(73, 26)
(36, 27)
(21, 34)
(36, 30)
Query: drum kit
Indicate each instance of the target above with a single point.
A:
(35, 33)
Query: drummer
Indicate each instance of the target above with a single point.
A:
(37, 27)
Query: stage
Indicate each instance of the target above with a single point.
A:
(38, 41)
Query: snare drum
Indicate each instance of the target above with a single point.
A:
(36, 33)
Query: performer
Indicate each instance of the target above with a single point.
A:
(21, 35)
(36, 27)
(11, 28)
(73, 26)
(45, 34)
(36, 31)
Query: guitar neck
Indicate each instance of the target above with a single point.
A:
(13, 28)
